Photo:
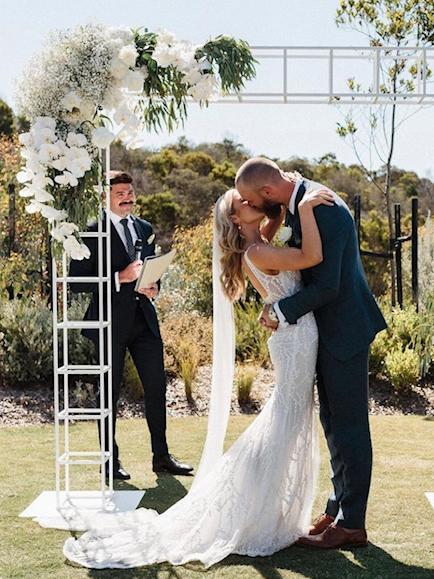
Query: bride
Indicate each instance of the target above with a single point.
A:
(256, 498)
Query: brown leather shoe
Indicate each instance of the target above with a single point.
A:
(335, 537)
(320, 524)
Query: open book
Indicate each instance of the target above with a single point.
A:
(154, 267)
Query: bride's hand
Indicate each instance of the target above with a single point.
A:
(321, 197)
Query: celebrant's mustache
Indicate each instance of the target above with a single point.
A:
(127, 203)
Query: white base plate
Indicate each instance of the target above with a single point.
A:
(77, 507)
(430, 497)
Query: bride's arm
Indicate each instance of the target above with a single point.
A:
(267, 257)
(271, 226)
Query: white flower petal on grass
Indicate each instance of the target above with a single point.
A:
(102, 137)
(128, 55)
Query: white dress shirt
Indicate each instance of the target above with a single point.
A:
(291, 208)
(116, 220)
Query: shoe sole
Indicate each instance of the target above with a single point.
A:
(165, 470)
(346, 546)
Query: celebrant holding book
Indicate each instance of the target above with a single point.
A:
(134, 320)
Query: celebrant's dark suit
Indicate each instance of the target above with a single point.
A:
(348, 319)
(134, 328)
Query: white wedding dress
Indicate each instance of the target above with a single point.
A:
(257, 498)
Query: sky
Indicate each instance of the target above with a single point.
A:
(279, 131)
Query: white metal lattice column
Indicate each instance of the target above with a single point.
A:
(70, 508)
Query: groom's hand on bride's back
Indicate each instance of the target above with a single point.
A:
(265, 320)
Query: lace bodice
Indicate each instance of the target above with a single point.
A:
(285, 283)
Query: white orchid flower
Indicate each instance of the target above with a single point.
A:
(44, 123)
(71, 101)
(102, 137)
(76, 140)
(67, 178)
(128, 55)
(75, 249)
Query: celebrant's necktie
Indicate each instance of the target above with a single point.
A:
(129, 238)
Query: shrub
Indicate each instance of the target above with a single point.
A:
(188, 285)
(25, 342)
(188, 364)
(402, 368)
(251, 337)
(186, 327)
(406, 346)
(245, 377)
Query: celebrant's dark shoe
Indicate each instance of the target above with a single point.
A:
(119, 473)
(320, 524)
(168, 463)
(335, 537)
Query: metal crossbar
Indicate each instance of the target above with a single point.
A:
(66, 457)
(320, 74)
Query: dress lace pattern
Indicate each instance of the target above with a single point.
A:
(258, 497)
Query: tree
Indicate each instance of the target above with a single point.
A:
(6, 119)
(391, 23)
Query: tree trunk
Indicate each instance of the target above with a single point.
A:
(387, 197)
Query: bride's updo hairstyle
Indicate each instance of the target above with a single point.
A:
(232, 247)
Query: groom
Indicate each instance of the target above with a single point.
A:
(348, 319)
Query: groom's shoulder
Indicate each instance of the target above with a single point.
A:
(338, 215)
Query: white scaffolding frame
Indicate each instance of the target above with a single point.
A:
(103, 369)
(338, 61)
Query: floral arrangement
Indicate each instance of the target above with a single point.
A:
(94, 84)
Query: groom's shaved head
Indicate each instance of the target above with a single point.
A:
(257, 172)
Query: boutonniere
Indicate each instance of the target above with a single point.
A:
(151, 238)
(285, 234)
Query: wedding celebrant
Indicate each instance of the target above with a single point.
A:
(135, 324)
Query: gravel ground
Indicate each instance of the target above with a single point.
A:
(20, 407)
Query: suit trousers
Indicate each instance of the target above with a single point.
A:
(343, 396)
(146, 350)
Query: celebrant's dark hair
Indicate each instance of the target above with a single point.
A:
(117, 177)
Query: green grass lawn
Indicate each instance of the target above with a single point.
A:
(400, 521)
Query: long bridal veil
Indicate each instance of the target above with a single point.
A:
(223, 366)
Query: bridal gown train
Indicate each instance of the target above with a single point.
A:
(257, 499)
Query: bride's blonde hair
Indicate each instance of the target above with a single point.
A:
(232, 247)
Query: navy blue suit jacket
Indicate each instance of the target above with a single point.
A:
(336, 290)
